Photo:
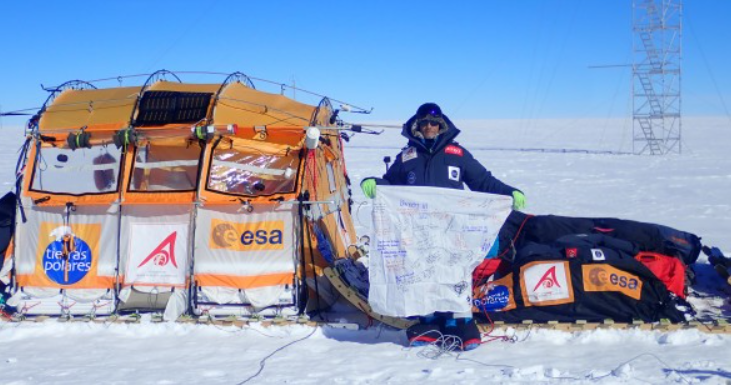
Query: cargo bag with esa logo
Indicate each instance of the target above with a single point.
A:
(591, 278)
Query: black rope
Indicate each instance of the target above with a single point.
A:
(18, 112)
(119, 78)
(70, 206)
(19, 176)
(304, 197)
(304, 295)
(263, 360)
(117, 283)
(314, 272)
(266, 111)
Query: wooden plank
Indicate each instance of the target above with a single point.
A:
(359, 302)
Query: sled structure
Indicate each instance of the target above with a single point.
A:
(232, 204)
(169, 197)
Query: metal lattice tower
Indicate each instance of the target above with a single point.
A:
(657, 30)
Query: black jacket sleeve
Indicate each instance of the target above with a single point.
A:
(393, 175)
(478, 178)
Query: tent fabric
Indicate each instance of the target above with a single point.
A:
(112, 108)
(109, 108)
(226, 203)
(157, 247)
(238, 104)
(183, 87)
(48, 301)
(251, 257)
(39, 259)
(245, 250)
(335, 218)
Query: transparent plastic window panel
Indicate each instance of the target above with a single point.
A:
(253, 173)
(166, 167)
(83, 171)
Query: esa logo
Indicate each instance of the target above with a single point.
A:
(261, 237)
(622, 281)
(607, 278)
(247, 236)
(601, 277)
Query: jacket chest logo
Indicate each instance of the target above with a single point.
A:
(453, 173)
(411, 177)
(408, 154)
(454, 150)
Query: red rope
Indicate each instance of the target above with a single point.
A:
(481, 270)
(26, 307)
(492, 328)
(312, 171)
(517, 234)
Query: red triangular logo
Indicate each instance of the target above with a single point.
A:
(548, 280)
(163, 253)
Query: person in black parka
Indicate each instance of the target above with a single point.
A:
(433, 158)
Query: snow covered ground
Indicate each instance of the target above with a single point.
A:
(562, 166)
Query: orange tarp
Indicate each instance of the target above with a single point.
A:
(244, 282)
(109, 108)
(184, 87)
(245, 106)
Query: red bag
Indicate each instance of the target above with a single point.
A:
(489, 267)
(669, 270)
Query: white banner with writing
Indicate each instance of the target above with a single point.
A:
(426, 242)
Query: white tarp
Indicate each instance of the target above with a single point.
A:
(232, 242)
(253, 252)
(75, 278)
(155, 249)
(158, 254)
(426, 242)
(38, 241)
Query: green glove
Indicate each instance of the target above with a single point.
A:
(518, 200)
(369, 187)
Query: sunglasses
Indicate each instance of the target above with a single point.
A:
(430, 122)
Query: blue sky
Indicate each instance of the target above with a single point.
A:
(517, 59)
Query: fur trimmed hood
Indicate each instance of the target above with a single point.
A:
(443, 127)
(431, 111)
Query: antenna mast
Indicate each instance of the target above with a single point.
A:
(657, 50)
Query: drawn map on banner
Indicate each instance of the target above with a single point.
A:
(425, 243)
